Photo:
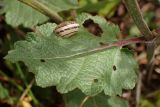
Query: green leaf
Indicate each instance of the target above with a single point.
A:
(18, 13)
(110, 8)
(146, 103)
(73, 99)
(49, 58)
(3, 92)
(60, 5)
(104, 7)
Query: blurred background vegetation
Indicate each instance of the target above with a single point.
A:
(15, 78)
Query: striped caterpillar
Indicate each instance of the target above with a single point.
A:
(67, 28)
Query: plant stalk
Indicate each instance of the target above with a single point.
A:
(25, 92)
(43, 9)
(36, 102)
(135, 12)
(84, 101)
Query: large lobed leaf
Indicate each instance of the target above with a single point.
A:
(48, 57)
(18, 13)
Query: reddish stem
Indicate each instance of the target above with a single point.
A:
(105, 47)
(130, 41)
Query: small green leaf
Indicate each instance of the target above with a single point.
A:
(49, 58)
(3, 92)
(73, 99)
(146, 103)
(109, 9)
(18, 13)
(103, 7)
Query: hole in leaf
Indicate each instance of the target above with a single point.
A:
(42, 60)
(114, 68)
(93, 27)
(95, 80)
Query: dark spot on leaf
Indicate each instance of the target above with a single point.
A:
(114, 68)
(101, 43)
(42, 60)
(93, 27)
(95, 80)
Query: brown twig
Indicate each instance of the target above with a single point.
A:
(153, 94)
(25, 92)
(84, 101)
(94, 101)
(20, 32)
(138, 90)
